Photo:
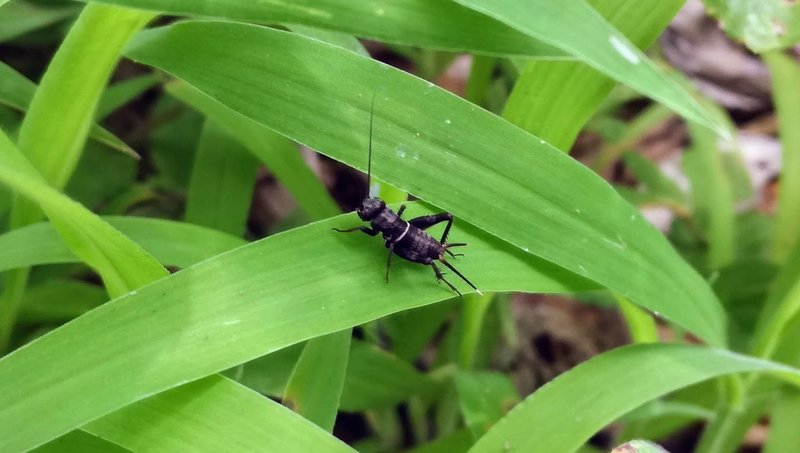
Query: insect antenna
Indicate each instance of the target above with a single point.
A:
(369, 152)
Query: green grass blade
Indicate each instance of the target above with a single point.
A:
(566, 412)
(222, 182)
(712, 196)
(59, 301)
(315, 386)
(518, 196)
(123, 265)
(762, 25)
(18, 18)
(783, 434)
(277, 152)
(213, 414)
(67, 97)
(71, 88)
(123, 92)
(419, 23)
(655, 181)
(17, 92)
(376, 379)
(555, 99)
(597, 44)
(484, 398)
(80, 442)
(785, 73)
(228, 310)
(171, 243)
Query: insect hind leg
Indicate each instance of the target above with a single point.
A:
(454, 244)
(427, 221)
(440, 277)
(450, 266)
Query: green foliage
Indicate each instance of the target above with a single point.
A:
(144, 359)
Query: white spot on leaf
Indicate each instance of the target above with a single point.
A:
(624, 49)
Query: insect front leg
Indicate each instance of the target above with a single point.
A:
(427, 221)
(401, 210)
(389, 261)
(363, 229)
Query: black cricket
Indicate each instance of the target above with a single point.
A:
(407, 239)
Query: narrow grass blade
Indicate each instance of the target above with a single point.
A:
(57, 301)
(597, 44)
(213, 414)
(67, 97)
(228, 310)
(376, 379)
(785, 73)
(171, 243)
(484, 398)
(222, 182)
(712, 196)
(763, 25)
(80, 442)
(17, 92)
(123, 265)
(426, 143)
(566, 412)
(419, 23)
(277, 152)
(315, 386)
(555, 99)
(783, 434)
(123, 92)
(18, 18)
(71, 87)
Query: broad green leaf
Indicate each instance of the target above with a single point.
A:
(762, 25)
(441, 25)
(122, 264)
(171, 243)
(377, 379)
(228, 310)
(342, 40)
(213, 414)
(20, 17)
(315, 386)
(518, 196)
(277, 152)
(567, 411)
(785, 73)
(555, 99)
(222, 182)
(270, 373)
(17, 92)
(598, 44)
